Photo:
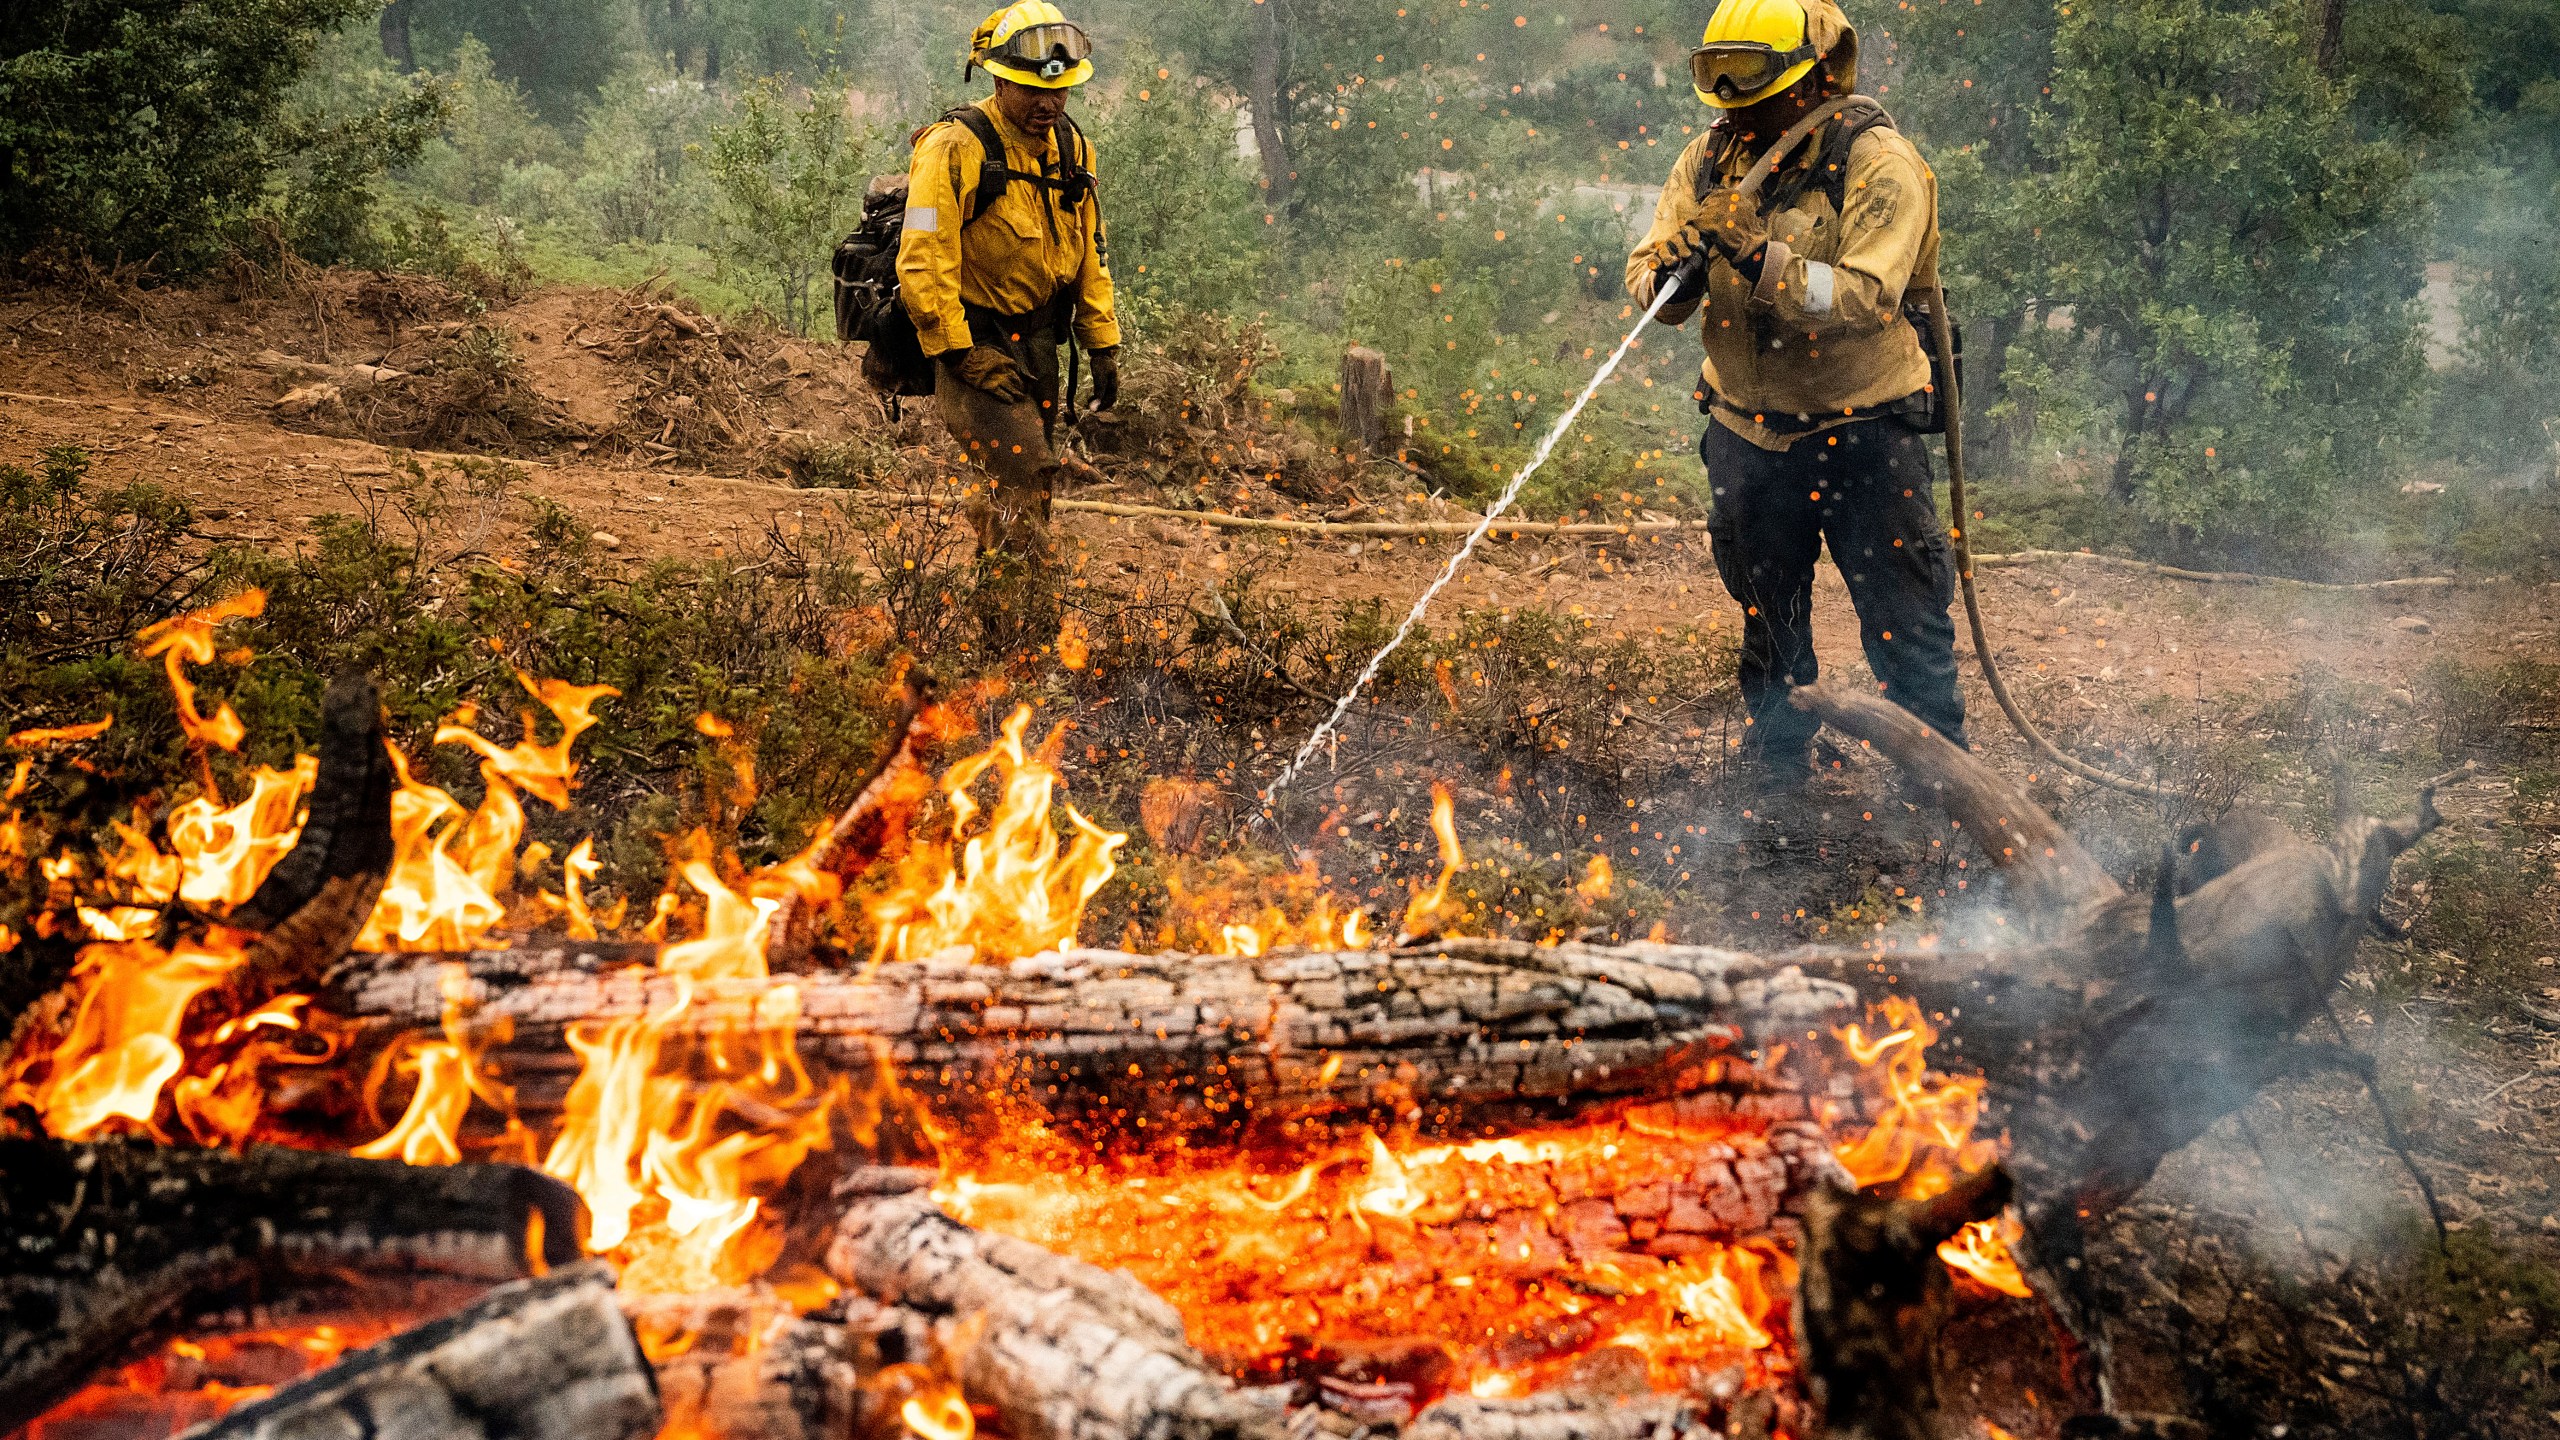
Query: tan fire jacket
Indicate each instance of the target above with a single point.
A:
(1017, 259)
(1822, 334)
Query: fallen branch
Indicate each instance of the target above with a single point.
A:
(1504, 530)
(2207, 577)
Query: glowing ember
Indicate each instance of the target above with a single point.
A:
(1495, 1266)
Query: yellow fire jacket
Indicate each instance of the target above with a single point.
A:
(1018, 258)
(1822, 334)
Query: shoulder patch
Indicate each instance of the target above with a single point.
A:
(1880, 202)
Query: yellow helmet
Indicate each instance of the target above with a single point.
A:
(1752, 50)
(1031, 43)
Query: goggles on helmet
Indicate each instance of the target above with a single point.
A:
(1732, 70)
(1048, 51)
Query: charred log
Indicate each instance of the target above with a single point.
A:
(1871, 1299)
(540, 1358)
(1061, 1350)
(869, 826)
(111, 1242)
(316, 900)
(2131, 1023)
(1563, 1416)
(739, 1362)
(1199, 1041)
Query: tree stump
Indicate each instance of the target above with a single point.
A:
(1368, 392)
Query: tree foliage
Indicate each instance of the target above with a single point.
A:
(2230, 267)
(788, 173)
(154, 129)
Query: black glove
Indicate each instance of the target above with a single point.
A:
(1106, 376)
(985, 368)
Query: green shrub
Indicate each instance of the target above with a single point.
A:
(158, 130)
(787, 175)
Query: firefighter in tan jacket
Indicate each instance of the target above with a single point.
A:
(996, 287)
(1814, 382)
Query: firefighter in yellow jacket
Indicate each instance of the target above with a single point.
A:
(1815, 384)
(996, 273)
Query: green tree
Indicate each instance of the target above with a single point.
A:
(560, 51)
(637, 158)
(2503, 397)
(2239, 268)
(490, 131)
(1177, 202)
(145, 128)
(787, 176)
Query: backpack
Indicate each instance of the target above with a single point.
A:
(868, 305)
(1858, 115)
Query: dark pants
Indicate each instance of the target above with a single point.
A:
(1865, 487)
(1011, 443)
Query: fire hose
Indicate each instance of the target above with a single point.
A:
(1942, 340)
(1942, 336)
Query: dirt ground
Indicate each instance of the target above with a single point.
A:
(197, 394)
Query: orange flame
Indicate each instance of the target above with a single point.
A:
(448, 870)
(1010, 890)
(1918, 1114)
(1075, 643)
(122, 1046)
(60, 734)
(1923, 1137)
(942, 1417)
(1239, 912)
(1426, 903)
(669, 1187)
(1596, 881)
(449, 1074)
(183, 640)
(1981, 1250)
(1728, 1299)
(226, 853)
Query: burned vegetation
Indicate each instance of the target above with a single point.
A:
(885, 1136)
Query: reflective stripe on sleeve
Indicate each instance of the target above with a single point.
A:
(1818, 286)
(923, 219)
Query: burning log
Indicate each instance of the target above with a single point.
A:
(1871, 1300)
(540, 1358)
(1061, 1350)
(316, 900)
(868, 825)
(1196, 1040)
(112, 1241)
(2129, 1023)
(738, 1362)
